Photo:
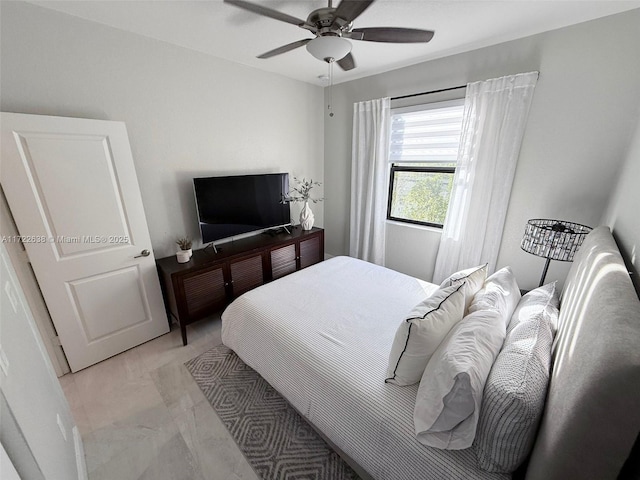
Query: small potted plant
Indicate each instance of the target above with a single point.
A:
(302, 193)
(184, 254)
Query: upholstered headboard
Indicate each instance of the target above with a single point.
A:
(592, 414)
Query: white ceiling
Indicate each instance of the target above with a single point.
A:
(228, 32)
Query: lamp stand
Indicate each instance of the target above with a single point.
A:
(544, 272)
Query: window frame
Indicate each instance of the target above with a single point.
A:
(396, 167)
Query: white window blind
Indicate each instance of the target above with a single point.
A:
(426, 133)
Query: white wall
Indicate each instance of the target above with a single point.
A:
(622, 215)
(583, 113)
(187, 114)
(34, 400)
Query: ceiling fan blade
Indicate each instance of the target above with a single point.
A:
(349, 10)
(268, 12)
(285, 48)
(347, 63)
(391, 35)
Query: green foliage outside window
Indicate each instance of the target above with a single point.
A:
(421, 196)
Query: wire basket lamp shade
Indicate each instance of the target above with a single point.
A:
(553, 240)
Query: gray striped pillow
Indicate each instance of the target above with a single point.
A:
(515, 393)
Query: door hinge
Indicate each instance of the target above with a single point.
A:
(56, 341)
(25, 256)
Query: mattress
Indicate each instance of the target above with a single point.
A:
(321, 337)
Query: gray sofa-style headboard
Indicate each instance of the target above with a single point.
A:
(592, 414)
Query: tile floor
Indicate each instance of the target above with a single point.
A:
(142, 416)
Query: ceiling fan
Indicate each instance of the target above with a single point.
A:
(332, 27)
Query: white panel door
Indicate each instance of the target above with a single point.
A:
(72, 188)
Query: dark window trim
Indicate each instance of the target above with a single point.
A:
(396, 168)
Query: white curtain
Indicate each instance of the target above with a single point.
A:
(369, 179)
(495, 114)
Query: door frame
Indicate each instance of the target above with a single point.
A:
(31, 289)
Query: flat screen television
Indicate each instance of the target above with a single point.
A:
(232, 205)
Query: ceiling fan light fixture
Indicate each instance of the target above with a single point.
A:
(328, 48)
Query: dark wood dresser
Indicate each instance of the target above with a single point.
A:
(210, 281)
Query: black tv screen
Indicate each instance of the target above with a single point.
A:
(233, 205)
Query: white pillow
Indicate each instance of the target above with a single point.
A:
(450, 393)
(474, 279)
(500, 292)
(543, 299)
(419, 335)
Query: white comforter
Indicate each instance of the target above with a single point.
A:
(321, 337)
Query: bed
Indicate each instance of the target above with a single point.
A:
(322, 336)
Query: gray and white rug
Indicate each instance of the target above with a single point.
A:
(275, 439)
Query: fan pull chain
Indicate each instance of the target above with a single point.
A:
(330, 103)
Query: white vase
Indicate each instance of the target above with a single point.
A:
(306, 217)
(183, 256)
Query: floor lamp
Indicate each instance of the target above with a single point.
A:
(553, 240)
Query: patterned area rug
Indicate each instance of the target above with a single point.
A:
(275, 439)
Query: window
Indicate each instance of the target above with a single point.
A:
(423, 154)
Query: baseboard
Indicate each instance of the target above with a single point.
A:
(80, 460)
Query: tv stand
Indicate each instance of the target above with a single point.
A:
(207, 283)
(273, 232)
(212, 245)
